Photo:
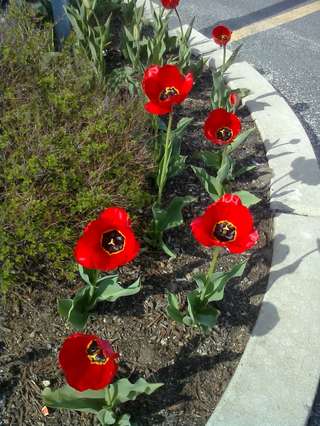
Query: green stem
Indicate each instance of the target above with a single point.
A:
(213, 263)
(211, 270)
(163, 172)
(109, 399)
(180, 22)
(93, 280)
(224, 55)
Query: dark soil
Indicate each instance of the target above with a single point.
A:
(195, 368)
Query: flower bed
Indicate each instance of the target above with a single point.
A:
(193, 366)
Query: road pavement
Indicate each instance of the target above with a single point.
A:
(287, 55)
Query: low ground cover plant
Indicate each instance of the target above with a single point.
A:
(64, 152)
(76, 160)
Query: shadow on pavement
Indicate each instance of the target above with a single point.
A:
(266, 12)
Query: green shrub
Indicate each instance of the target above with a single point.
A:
(66, 153)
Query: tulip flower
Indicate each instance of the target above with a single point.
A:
(165, 87)
(107, 242)
(88, 362)
(221, 127)
(226, 223)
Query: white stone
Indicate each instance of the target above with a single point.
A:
(277, 377)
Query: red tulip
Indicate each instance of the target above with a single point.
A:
(221, 127)
(234, 99)
(107, 242)
(226, 223)
(88, 362)
(221, 35)
(165, 86)
(170, 4)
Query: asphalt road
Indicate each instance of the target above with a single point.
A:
(288, 55)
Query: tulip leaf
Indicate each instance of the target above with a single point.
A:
(241, 138)
(124, 420)
(187, 320)
(225, 169)
(177, 161)
(106, 417)
(206, 317)
(181, 127)
(171, 216)
(210, 183)
(123, 390)
(200, 280)
(78, 311)
(243, 92)
(230, 61)
(247, 198)
(173, 308)
(78, 319)
(89, 276)
(68, 398)
(64, 306)
(200, 313)
(167, 250)
(243, 170)
(211, 158)
(111, 291)
(216, 286)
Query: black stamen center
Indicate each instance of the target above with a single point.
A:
(92, 348)
(112, 241)
(224, 134)
(224, 231)
(168, 92)
(95, 353)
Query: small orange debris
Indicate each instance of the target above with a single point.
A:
(45, 411)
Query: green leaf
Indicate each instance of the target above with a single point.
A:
(187, 320)
(89, 276)
(200, 313)
(207, 316)
(243, 170)
(177, 164)
(200, 280)
(170, 217)
(243, 92)
(239, 140)
(210, 183)
(64, 306)
(78, 311)
(215, 289)
(211, 158)
(181, 127)
(123, 390)
(78, 318)
(124, 420)
(232, 58)
(71, 399)
(247, 198)
(167, 250)
(194, 303)
(108, 291)
(106, 417)
(225, 169)
(173, 308)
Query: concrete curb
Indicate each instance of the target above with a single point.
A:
(277, 377)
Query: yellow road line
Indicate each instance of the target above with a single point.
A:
(275, 21)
